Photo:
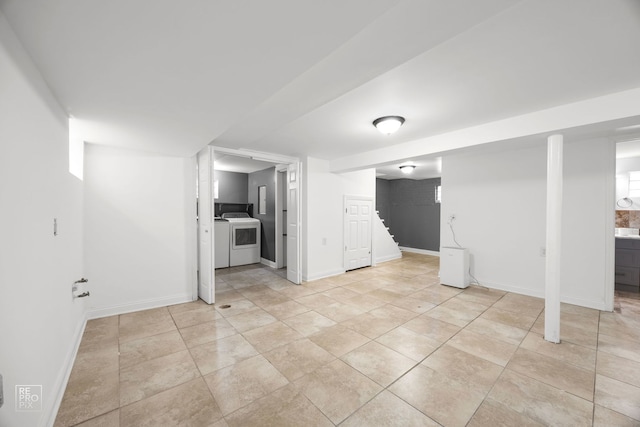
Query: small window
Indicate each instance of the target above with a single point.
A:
(634, 184)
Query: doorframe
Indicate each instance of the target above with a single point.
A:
(610, 228)
(346, 198)
(199, 210)
(282, 162)
(281, 200)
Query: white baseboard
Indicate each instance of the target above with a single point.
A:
(513, 289)
(597, 305)
(268, 263)
(388, 258)
(139, 305)
(60, 386)
(419, 251)
(323, 275)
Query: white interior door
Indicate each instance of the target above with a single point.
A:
(206, 282)
(281, 220)
(294, 273)
(357, 232)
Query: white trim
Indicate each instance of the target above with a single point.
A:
(279, 244)
(299, 183)
(419, 251)
(512, 289)
(388, 258)
(53, 406)
(323, 275)
(268, 262)
(609, 229)
(191, 224)
(140, 305)
(257, 155)
(596, 305)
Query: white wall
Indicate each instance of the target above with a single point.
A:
(499, 201)
(139, 229)
(588, 223)
(40, 322)
(323, 220)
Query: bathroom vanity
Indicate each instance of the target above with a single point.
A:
(628, 263)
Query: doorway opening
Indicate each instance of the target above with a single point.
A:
(265, 186)
(627, 217)
(358, 215)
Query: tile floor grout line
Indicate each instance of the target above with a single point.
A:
(370, 340)
(595, 372)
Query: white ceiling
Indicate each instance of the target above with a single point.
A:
(307, 78)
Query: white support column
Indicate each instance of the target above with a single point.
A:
(554, 241)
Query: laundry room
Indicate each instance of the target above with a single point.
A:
(245, 211)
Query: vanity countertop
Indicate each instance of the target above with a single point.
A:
(620, 236)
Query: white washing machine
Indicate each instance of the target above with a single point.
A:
(244, 238)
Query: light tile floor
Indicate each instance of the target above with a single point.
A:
(380, 346)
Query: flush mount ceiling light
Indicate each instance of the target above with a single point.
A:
(407, 169)
(388, 124)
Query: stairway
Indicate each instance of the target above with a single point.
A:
(386, 248)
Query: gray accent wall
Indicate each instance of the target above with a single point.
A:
(232, 187)
(410, 211)
(266, 177)
(383, 203)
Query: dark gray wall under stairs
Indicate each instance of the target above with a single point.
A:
(410, 211)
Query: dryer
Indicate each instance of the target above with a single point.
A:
(244, 238)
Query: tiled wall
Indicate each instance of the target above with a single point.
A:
(628, 219)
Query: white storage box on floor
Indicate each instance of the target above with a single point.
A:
(454, 266)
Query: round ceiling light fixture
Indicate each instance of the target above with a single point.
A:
(388, 124)
(407, 169)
